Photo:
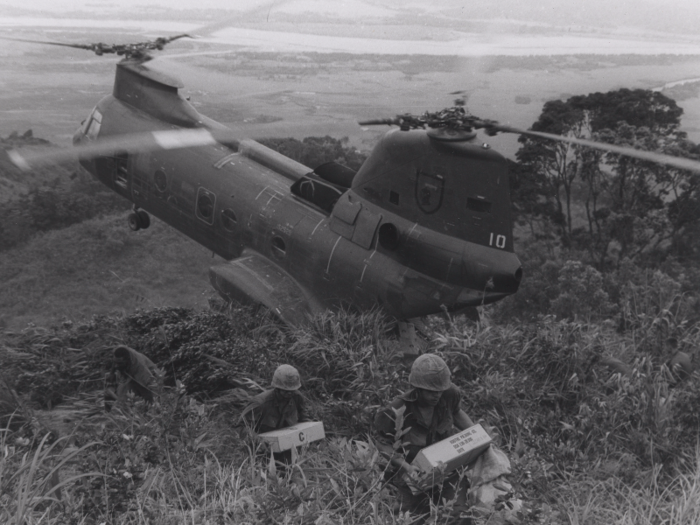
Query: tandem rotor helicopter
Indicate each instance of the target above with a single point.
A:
(424, 225)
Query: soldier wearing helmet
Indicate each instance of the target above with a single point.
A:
(431, 413)
(280, 407)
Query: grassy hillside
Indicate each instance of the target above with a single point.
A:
(100, 266)
(588, 445)
(572, 376)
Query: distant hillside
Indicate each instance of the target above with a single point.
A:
(100, 266)
(14, 182)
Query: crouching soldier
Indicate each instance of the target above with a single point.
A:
(132, 371)
(431, 413)
(280, 407)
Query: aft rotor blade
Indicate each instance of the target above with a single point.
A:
(131, 143)
(659, 158)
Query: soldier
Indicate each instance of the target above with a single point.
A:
(280, 407)
(432, 413)
(132, 371)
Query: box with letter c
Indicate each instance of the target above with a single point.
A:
(294, 436)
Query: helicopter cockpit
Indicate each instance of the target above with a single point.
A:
(324, 186)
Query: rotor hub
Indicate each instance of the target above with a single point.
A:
(451, 135)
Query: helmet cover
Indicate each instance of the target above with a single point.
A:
(430, 372)
(286, 377)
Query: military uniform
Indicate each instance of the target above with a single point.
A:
(430, 378)
(422, 434)
(270, 411)
(133, 372)
(280, 407)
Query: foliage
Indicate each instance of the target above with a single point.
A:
(581, 293)
(606, 205)
(314, 151)
(569, 424)
(30, 483)
(558, 282)
(207, 352)
(52, 208)
(340, 355)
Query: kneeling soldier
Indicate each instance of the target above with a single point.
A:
(280, 407)
(432, 413)
(132, 371)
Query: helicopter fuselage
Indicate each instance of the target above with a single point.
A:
(300, 244)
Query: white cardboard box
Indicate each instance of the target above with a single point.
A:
(461, 449)
(294, 436)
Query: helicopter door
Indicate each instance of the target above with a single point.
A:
(113, 170)
(121, 171)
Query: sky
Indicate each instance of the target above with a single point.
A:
(63, 5)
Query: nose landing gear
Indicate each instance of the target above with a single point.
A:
(139, 220)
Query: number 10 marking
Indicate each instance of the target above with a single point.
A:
(500, 241)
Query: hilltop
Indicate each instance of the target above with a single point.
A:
(574, 378)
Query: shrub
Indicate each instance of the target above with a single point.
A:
(581, 293)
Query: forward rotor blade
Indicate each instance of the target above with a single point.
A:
(77, 46)
(139, 49)
(659, 158)
(131, 143)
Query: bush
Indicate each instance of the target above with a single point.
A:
(581, 293)
(314, 151)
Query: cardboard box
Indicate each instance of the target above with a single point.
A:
(455, 451)
(294, 436)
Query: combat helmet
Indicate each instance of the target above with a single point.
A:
(286, 377)
(430, 372)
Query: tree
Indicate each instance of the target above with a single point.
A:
(314, 151)
(609, 205)
(553, 164)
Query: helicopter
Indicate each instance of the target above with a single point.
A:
(423, 226)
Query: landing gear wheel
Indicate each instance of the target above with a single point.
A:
(144, 219)
(134, 222)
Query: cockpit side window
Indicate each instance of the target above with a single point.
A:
(319, 192)
(92, 129)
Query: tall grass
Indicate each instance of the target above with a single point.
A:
(650, 500)
(587, 444)
(31, 483)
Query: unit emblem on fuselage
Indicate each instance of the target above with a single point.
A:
(429, 190)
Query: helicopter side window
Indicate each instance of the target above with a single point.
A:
(316, 191)
(93, 127)
(279, 248)
(394, 198)
(228, 219)
(479, 205)
(205, 205)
